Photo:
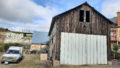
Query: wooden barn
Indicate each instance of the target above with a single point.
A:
(80, 36)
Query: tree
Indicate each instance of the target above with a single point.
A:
(115, 49)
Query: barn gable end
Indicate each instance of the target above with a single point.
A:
(70, 22)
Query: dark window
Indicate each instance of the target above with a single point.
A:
(81, 19)
(52, 40)
(87, 16)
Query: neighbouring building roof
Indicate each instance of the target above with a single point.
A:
(57, 16)
(114, 20)
(40, 38)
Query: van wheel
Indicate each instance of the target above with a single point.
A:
(2, 62)
(18, 61)
(22, 58)
(6, 62)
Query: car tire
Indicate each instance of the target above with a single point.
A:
(2, 62)
(6, 62)
(17, 61)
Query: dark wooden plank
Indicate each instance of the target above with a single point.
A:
(69, 22)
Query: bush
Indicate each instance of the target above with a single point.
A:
(7, 45)
(1, 47)
(115, 48)
(115, 52)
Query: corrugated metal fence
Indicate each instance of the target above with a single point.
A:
(80, 49)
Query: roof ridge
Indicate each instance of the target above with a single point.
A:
(85, 3)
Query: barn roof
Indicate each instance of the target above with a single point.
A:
(52, 24)
(40, 38)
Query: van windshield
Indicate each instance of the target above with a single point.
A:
(13, 52)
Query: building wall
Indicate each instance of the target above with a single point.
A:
(118, 18)
(118, 34)
(52, 43)
(16, 38)
(69, 22)
(2, 37)
(115, 36)
(115, 32)
(35, 47)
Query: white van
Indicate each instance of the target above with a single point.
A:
(14, 54)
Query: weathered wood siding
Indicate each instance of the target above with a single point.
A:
(52, 43)
(69, 22)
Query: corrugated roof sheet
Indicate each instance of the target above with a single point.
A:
(40, 37)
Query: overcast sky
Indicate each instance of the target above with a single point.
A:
(36, 15)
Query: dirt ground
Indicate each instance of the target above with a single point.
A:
(29, 61)
(33, 61)
(89, 67)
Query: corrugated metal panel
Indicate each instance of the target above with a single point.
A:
(83, 49)
(94, 42)
(83, 40)
(40, 38)
(80, 60)
(91, 48)
(88, 47)
(105, 50)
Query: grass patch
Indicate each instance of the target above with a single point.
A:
(4, 46)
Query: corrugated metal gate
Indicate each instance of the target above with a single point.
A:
(80, 49)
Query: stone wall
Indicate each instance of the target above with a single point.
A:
(16, 38)
(2, 37)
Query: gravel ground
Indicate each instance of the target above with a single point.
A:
(33, 61)
(29, 61)
(96, 66)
